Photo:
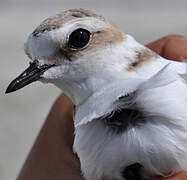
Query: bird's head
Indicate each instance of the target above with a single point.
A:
(61, 43)
(73, 46)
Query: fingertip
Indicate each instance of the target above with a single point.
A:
(173, 47)
(179, 176)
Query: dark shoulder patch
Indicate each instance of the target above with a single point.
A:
(119, 120)
(133, 172)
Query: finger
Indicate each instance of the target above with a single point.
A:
(52, 156)
(62, 112)
(172, 47)
(179, 176)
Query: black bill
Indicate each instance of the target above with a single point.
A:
(31, 74)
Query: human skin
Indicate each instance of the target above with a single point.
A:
(52, 157)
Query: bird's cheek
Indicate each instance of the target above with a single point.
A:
(53, 73)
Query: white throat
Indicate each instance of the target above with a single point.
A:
(80, 91)
(94, 70)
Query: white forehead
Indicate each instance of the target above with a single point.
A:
(45, 43)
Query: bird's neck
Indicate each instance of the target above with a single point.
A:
(80, 91)
(128, 60)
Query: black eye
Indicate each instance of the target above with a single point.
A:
(79, 38)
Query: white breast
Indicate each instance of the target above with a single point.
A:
(160, 145)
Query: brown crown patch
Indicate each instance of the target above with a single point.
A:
(62, 18)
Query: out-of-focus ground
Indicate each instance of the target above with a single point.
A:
(22, 113)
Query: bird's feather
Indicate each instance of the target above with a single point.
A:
(159, 145)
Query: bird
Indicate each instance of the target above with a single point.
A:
(130, 118)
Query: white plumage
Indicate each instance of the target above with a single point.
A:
(110, 66)
(159, 145)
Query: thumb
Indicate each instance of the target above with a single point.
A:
(173, 47)
(179, 176)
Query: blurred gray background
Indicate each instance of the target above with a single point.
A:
(22, 113)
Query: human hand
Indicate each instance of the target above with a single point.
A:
(52, 156)
(173, 47)
(179, 176)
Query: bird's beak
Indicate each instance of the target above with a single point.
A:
(31, 74)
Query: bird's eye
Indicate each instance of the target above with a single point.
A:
(79, 38)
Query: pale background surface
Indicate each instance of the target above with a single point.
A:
(22, 113)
